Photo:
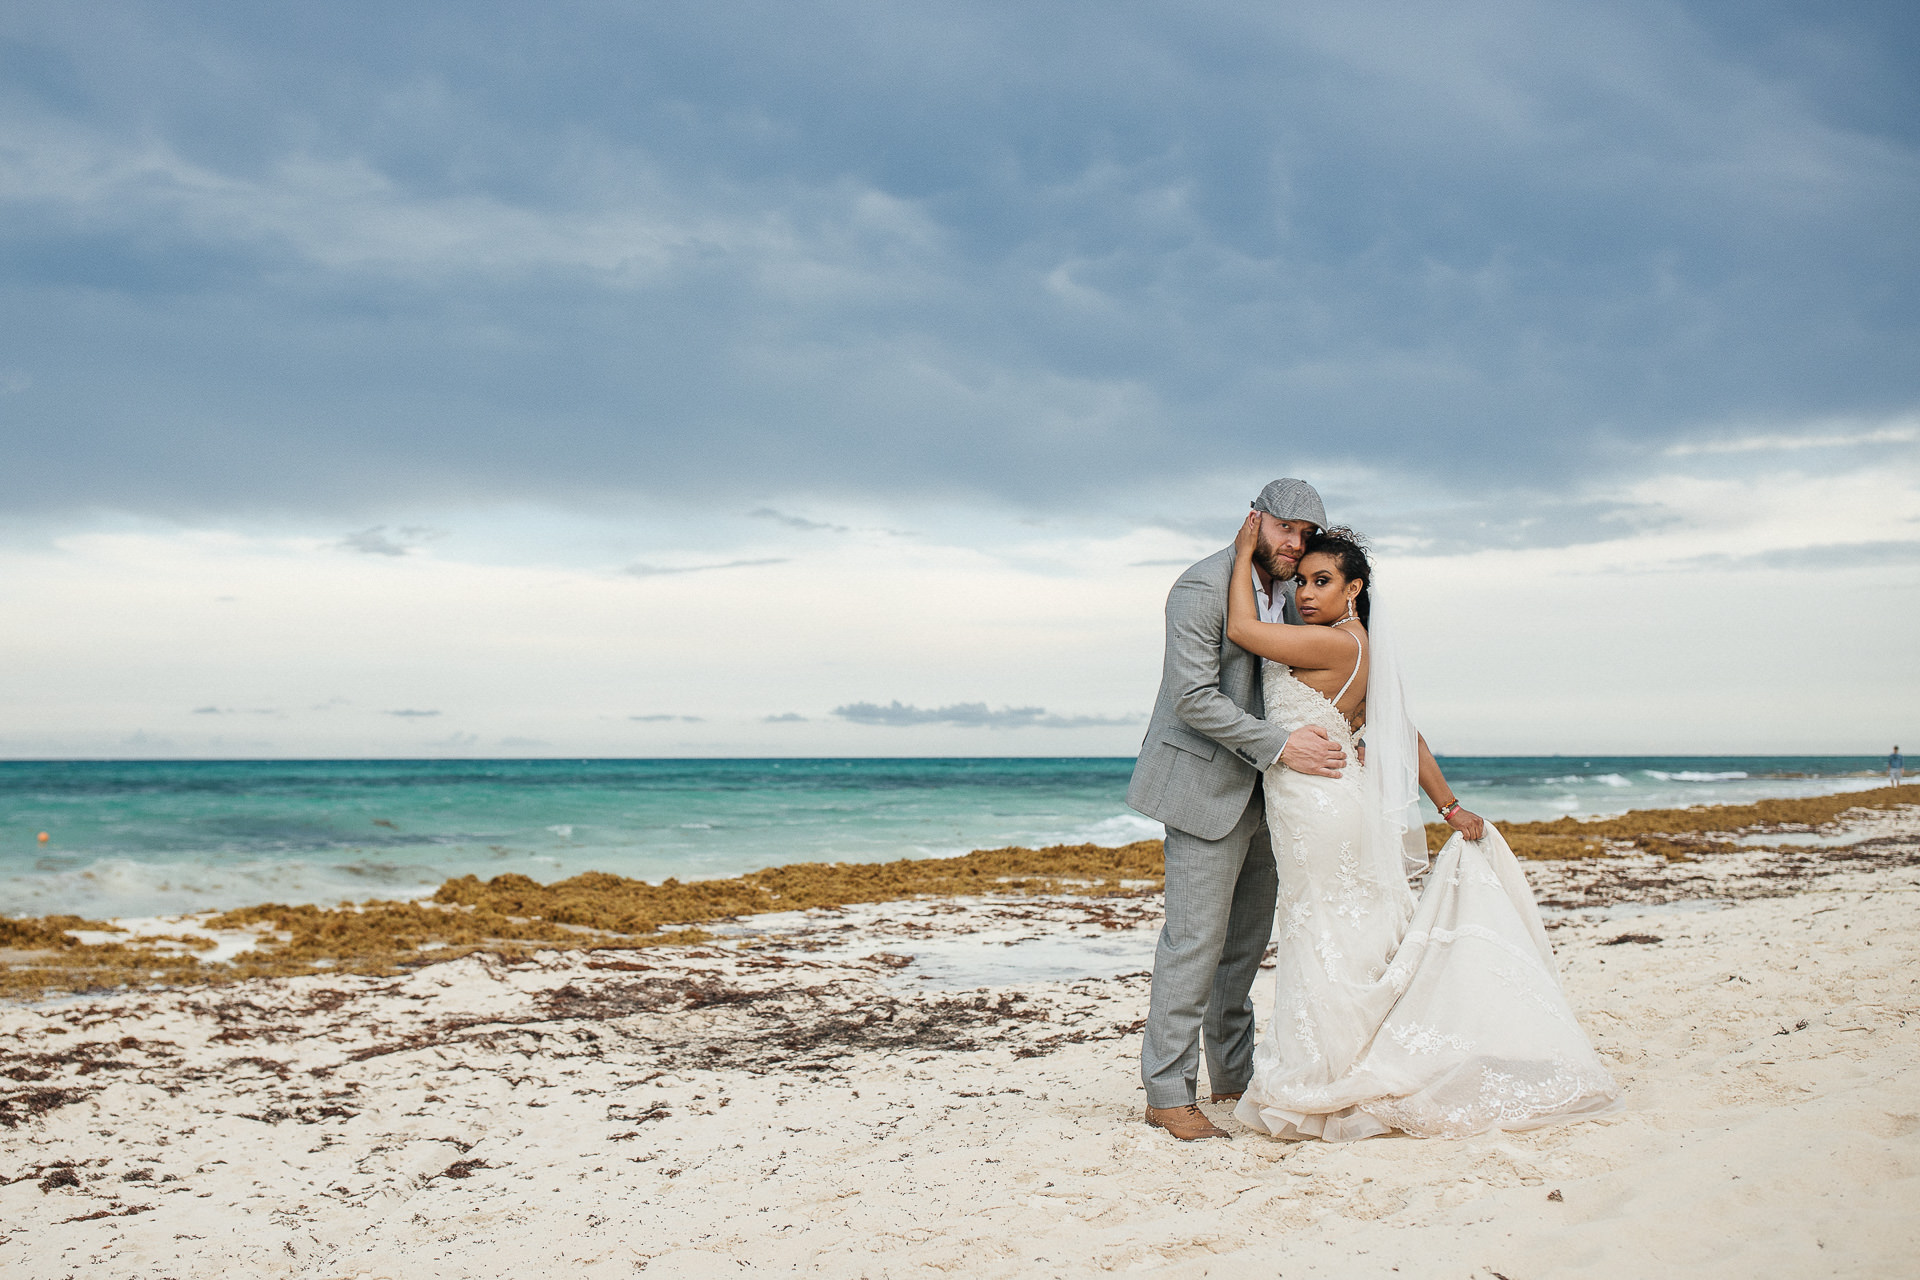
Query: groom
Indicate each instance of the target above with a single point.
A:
(1199, 773)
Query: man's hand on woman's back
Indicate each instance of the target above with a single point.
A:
(1310, 750)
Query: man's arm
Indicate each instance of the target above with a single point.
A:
(1292, 642)
(1196, 623)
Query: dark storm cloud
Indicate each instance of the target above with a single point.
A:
(973, 715)
(373, 542)
(344, 255)
(378, 541)
(797, 522)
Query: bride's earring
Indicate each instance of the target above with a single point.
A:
(1351, 611)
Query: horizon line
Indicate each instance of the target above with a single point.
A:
(632, 759)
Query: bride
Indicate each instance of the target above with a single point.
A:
(1440, 1015)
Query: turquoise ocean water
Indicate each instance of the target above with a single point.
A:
(139, 838)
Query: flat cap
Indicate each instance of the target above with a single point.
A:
(1292, 500)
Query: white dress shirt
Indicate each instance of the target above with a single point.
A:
(1272, 607)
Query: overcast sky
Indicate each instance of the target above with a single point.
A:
(743, 378)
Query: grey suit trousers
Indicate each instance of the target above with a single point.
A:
(1220, 896)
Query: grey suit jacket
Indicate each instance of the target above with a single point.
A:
(1208, 741)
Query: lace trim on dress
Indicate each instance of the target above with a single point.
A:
(1440, 1016)
(1501, 1095)
(1293, 705)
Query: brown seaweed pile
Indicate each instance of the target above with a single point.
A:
(1685, 833)
(601, 901)
(512, 915)
(43, 954)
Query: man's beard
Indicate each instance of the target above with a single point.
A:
(1279, 567)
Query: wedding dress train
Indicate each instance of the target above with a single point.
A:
(1440, 1015)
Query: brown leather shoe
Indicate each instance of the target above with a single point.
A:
(1226, 1097)
(1186, 1123)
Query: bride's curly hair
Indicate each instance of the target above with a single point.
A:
(1349, 551)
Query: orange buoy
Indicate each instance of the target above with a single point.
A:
(44, 837)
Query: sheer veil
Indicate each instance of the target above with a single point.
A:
(1434, 1009)
(1392, 771)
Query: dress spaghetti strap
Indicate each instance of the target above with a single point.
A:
(1356, 668)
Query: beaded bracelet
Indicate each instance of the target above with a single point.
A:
(1447, 811)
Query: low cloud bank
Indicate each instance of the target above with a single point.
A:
(897, 714)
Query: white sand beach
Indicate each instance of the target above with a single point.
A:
(824, 1097)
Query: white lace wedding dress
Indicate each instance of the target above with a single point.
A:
(1438, 1016)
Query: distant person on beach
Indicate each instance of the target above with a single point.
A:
(1440, 1015)
(1896, 765)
